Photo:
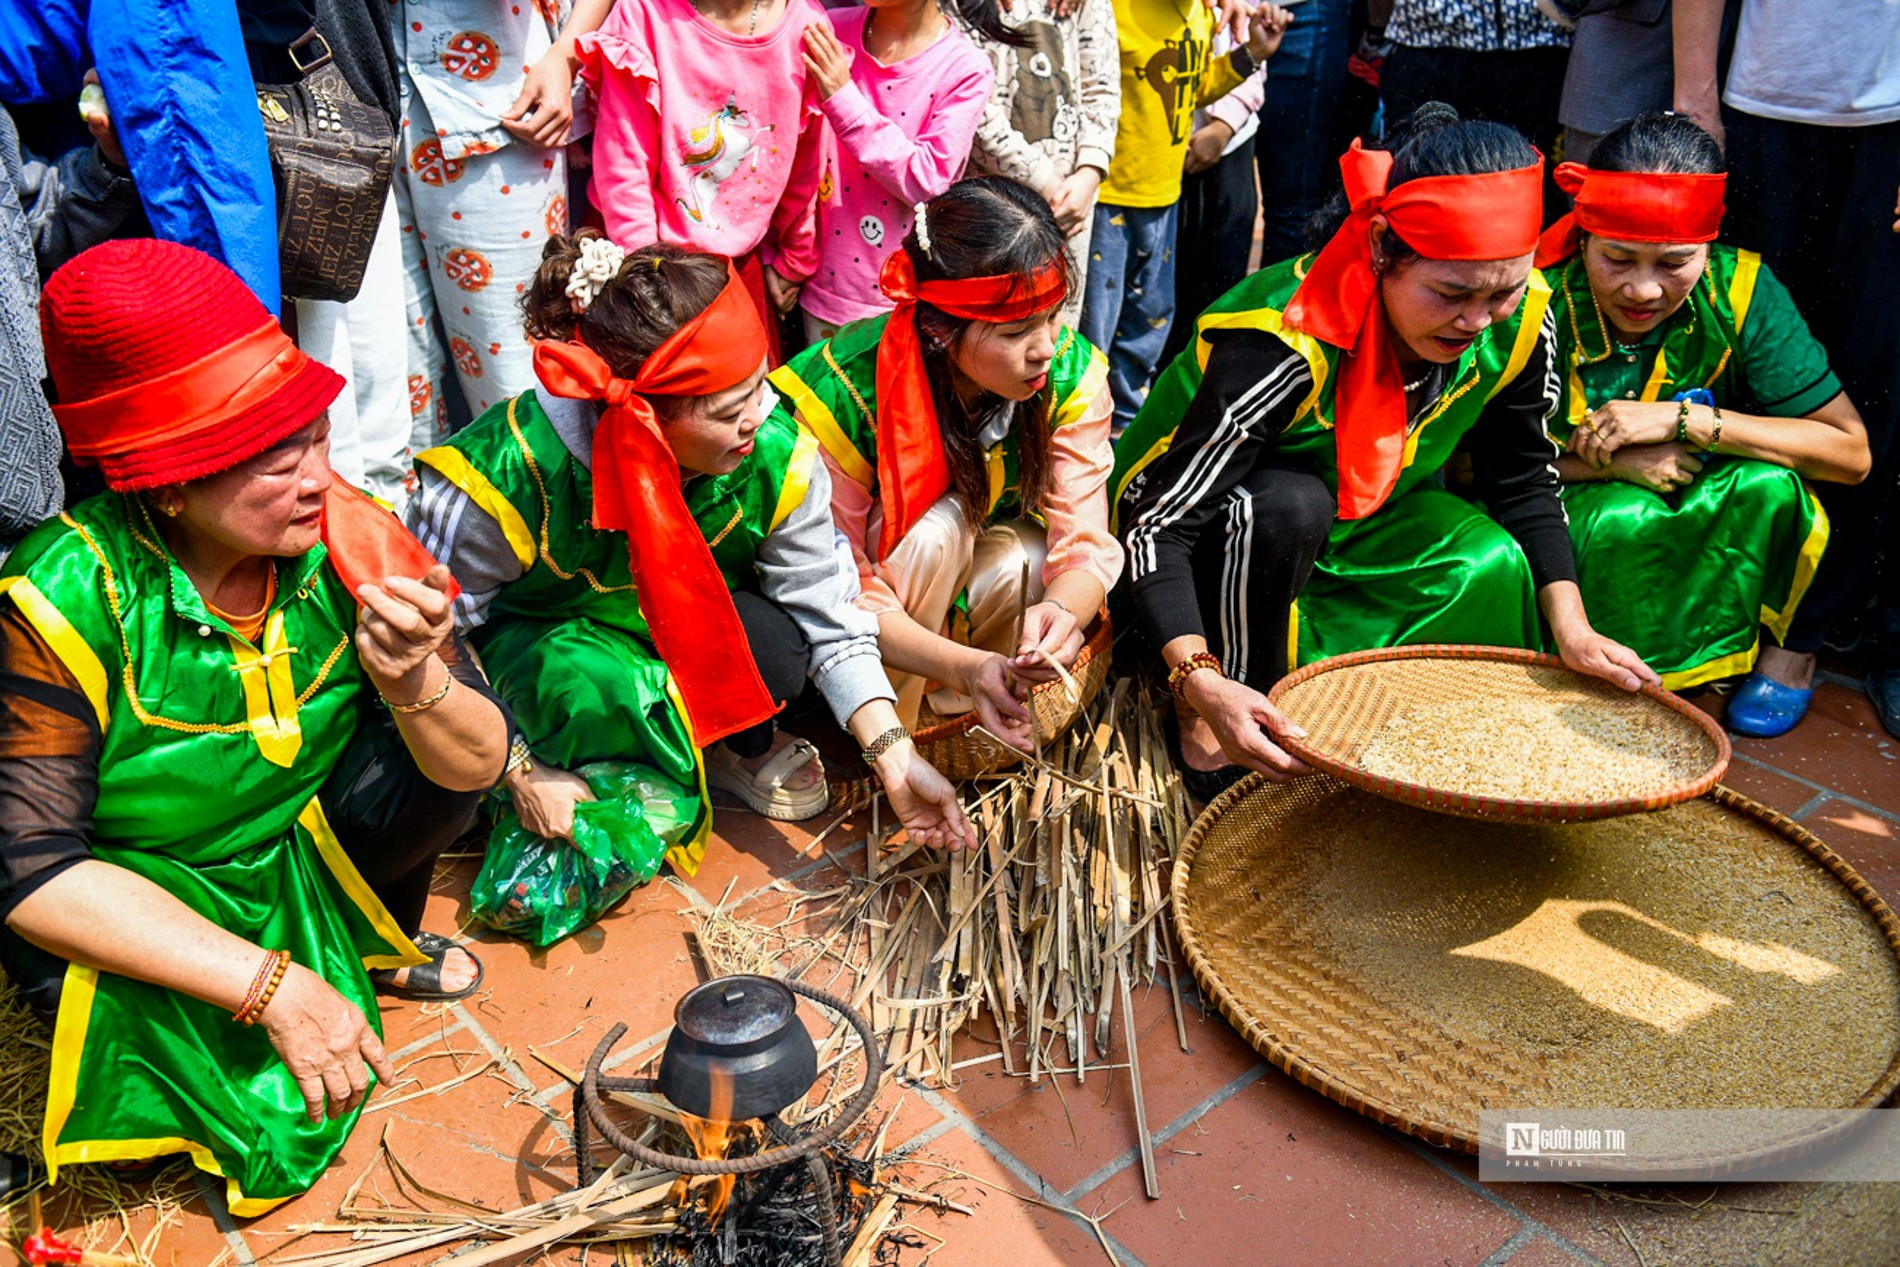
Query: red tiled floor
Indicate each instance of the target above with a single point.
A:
(1868, 841)
(1066, 1131)
(1774, 790)
(1542, 1252)
(1004, 1231)
(1841, 745)
(1279, 1175)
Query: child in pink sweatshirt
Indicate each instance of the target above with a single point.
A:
(708, 134)
(903, 92)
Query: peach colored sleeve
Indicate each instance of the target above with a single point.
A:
(1081, 456)
(851, 509)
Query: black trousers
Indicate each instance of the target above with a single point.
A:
(1817, 202)
(390, 819)
(1251, 564)
(1213, 236)
(783, 657)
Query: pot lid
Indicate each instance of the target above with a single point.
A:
(735, 1011)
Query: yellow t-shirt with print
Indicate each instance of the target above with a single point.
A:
(1167, 73)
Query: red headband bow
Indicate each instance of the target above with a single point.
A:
(637, 491)
(1489, 216)
(1634, 207)
(912, 472)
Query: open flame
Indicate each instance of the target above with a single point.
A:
(713, 1137)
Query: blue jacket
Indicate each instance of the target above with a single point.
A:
(180, 90)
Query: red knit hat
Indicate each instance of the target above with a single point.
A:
(167, 367)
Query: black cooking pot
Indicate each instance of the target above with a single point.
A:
(744, 1029)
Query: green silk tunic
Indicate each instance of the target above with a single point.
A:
(211, 756)
(1688, 579)
(566, 643)
(1427, 566)
(832, 390)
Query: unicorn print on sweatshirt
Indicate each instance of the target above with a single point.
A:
(713, 153)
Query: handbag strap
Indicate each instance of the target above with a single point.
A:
(310, 52)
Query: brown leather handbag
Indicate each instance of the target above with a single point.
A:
(332, 156)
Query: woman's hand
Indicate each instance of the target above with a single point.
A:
(544, 109)
(1074, 200)
(827, 60)
(98, 115)
(1050, 633)
(1245, 725)
(1591, 653)
(924, 801)
(399, 629)
(1661, 468)
(325, 1041)
(1265, 31)
(993, 683)
(781, 291)
(1205, 146)
(1621, 423)
(545, 798)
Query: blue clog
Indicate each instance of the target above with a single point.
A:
(1765, 709)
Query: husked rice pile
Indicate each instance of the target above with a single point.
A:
(1536, 749)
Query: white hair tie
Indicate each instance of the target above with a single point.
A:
(599, 263)
(920, 212)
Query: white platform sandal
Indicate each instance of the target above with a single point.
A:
(764, 792)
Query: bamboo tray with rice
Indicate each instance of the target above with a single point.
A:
(1497, 732)
(1514, 888)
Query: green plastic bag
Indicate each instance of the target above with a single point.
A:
(542, 890)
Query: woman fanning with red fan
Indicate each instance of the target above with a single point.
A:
(648, 561)
(237, 731)
(967, 436)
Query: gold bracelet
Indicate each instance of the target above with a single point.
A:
(421, 705)
(883, 744)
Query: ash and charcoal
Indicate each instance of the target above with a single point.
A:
(772, 1220)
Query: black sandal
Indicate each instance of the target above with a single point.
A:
(425, 979)
(1202, 785)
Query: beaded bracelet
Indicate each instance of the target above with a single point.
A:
(264, 988)
(1682, 421)
(1715, 437)
(1179, 674)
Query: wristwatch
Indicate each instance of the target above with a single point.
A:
(884, 743)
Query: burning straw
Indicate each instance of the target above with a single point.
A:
(1047, 926)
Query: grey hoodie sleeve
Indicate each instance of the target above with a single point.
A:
(805, 567)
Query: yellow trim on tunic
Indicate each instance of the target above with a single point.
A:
(1530, 327)
(270, 697)
(357, 889)
(687, 855)
(1293, 636)
(1810, 559)
(1093, 383)
(798, 469)
(456, 469)
(1714, 671)
(73, 651)
(817, 418)
(1741, 287)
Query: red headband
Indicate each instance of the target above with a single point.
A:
(1490, 216)
(912, 472)
(1634, 207)
(637, 491)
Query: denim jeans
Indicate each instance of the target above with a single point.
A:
(1128, 303)
(1298, 167)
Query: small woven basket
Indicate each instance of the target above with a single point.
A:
(953, 745)
(1345, 702)
(1352, 942)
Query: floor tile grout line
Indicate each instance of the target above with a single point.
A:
(1517, 1240)
(1021, 1172)
(212, 1192)
(1810, 805)
(1811, 785)
(1430, 1157)
(1194, 1114)
(422, 1044)
(516, 1074)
